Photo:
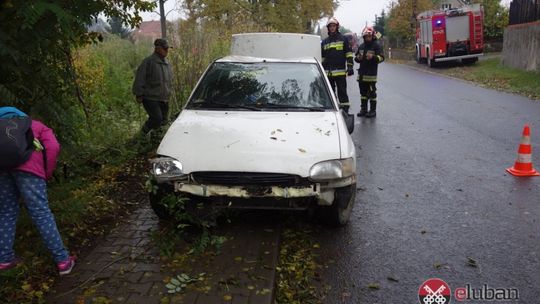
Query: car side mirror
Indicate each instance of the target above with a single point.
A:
(349, 121)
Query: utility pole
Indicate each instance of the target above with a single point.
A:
(163, 21)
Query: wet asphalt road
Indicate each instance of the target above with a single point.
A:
(433, 191)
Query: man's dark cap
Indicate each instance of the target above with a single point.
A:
(162, 43)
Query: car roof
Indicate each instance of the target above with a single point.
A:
(248, 59)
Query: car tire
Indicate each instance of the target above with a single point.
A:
(338, 214)
(430, 62)
(155, 201)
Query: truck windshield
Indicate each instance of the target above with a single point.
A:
(265, 86)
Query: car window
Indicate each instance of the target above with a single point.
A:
(262, 87)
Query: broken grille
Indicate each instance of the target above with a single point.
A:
(246, 178)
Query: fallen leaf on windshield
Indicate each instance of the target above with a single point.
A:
(273, 132)
(274, 138)
(301, 150)
(380, 188)
(279, 130)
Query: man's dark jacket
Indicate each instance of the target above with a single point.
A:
(154, 79)
(337, 56)
(368, 68)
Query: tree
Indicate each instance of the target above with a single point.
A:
(380, 23)
(495, 18)
(297, 16)
(401, 25)
(37, 38)
(117, 28)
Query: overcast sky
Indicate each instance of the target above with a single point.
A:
(352, 14)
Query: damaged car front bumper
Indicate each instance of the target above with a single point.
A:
(323, 192)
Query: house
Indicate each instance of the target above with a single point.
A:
(147, 29)
(450, 4)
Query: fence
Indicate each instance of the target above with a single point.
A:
(524, 11)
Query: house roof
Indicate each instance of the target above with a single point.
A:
(148, 29)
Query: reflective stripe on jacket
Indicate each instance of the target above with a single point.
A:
(337, 55)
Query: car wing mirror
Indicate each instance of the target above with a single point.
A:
(349, 120)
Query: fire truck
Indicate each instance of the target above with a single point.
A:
(451, 34)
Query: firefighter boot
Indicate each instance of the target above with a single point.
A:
(363, 108)
(372, 108)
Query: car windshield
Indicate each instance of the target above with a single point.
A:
(265, 86)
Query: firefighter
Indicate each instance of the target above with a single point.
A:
(337, 60)
(369, 55)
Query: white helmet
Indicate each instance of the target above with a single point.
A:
(332, 20)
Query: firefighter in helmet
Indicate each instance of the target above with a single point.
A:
(337, 60)
(369, 55)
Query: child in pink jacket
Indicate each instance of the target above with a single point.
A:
(29, 182)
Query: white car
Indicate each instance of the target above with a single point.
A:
(262, 132)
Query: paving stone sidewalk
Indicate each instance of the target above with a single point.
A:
(126, 267)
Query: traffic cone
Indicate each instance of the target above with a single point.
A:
(523, 165)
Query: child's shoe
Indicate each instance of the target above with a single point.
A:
(9, 265)
(66, 266)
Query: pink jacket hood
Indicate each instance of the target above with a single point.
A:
(35, 164)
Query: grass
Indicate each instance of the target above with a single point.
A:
(492, 74)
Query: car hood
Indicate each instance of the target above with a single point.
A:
(242, 141)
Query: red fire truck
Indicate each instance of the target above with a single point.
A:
(453, 34)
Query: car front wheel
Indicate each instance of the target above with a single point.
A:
(156, 201)
(338, 214)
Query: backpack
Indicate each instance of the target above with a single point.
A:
(16, 141)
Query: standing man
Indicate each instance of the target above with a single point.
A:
(152, 86)
(369, 55)
(337, 60)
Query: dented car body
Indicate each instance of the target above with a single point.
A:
(262, 133)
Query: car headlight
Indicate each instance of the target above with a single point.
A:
(332, 169)
(166, 167)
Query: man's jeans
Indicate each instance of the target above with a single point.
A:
(157, 114)
(33, 190)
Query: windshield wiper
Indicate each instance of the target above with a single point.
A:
(283, 106)
(220, 105)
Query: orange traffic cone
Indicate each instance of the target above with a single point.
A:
(523, 165)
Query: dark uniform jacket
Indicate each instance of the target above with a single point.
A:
(337, 55)
(368, 68)
(154, 79)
